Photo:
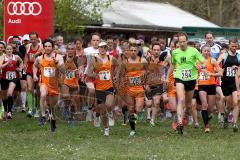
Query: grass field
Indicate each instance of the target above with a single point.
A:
(23, 139)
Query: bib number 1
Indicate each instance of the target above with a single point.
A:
(10, 75)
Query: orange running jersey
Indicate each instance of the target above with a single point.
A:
(134, 78)
(104, 80)
(49, 75)
(171, 85)
(154, 72)
(70, 78)
(203, 79)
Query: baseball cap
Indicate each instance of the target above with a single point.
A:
(102, 44)
(26, 37)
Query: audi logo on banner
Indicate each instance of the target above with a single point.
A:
(24, 8)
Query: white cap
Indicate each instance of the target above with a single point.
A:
(102, 44)
(26, 37)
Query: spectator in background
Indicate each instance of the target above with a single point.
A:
(16, 40)
(215, 48)
(60, 44)
(191, 44)
(22, 48)
(112, 47)
(132, 40)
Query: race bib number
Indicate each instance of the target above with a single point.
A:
(70, 74)
(186, 74)
(203, 76)
(104, 75)
(155, 77)
(230, 72)
(49, 71)
(10, 75)
(135, 81)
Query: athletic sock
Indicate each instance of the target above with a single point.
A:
(10, 103)
(23, 98)
(205, 117)
(132, 120)
(30, 100)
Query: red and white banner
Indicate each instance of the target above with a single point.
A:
(24, 16)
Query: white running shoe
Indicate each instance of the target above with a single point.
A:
(111, 120)
(36, 115)
(97, 120)
(89, 117)
(152, 124)
(106, 132)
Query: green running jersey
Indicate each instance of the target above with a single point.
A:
(185, 62)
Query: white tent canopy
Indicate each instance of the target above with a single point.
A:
(124, 12)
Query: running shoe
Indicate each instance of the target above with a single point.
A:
(174, 126)
(230, 117)
(97, 120)
(235, 128)
(196, 125)
(9, 115)
(89, 117)
(180, 129)
(190, 120)
(41, 121)
(111, 120)
(106, 132)
(132, 134)
(5, 117)
(207, 129)
(152, 124)
(29, 114)
(36, 114)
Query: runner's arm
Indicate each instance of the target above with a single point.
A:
(90, 70)
(19, 59)
(218, 69)
(60, 64)
(1, 62)
(237, 80)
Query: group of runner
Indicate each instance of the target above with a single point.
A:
(110, 79)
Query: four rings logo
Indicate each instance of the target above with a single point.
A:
(24, 8)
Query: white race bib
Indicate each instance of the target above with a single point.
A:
(135, 81)
(203, 76)
(10, 75)
(186, 74)
(70, 74)
(104, 75)
(230, 72)
(49, 71)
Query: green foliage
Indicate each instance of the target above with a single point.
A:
(72, 15)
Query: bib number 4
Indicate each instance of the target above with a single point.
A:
(104, 75)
